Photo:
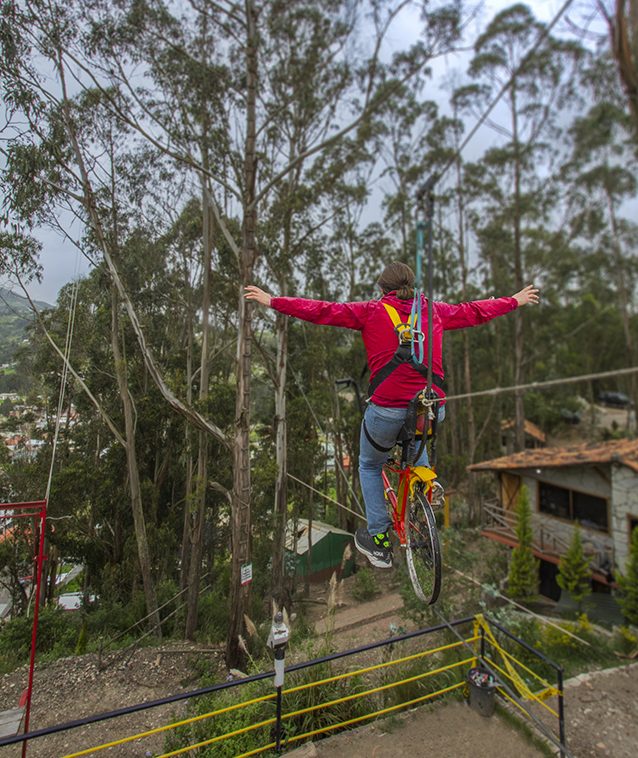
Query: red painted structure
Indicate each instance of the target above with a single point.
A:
(37, 510)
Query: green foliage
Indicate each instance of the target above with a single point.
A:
(364, 586)
(551, 639)
(574, 573)
(80, 646)
(58, 633)
(628, 583)
(626, 639)
(522, 580)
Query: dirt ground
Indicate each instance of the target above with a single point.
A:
(601, 708)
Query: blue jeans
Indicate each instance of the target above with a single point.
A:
(383, 425)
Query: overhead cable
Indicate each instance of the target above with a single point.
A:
(544, 385)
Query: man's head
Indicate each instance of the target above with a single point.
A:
(397, 277)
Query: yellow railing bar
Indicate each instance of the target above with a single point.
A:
(504, 652)
(327, 704)
(480, 622)
(529, 694)
(376, 667)
(372, 691)
(174, 725)
(258, 750)
(356, 720)
(236, 706)
(512, 701)
(220, 737)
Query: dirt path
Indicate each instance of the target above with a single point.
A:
(449, 731)
(601, 708)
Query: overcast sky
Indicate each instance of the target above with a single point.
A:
(61, 262)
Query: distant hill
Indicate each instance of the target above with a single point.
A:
(15, 315)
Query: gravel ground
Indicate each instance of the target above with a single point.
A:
(72, 688)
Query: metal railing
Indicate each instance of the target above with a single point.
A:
(298, 713)
(545, 539)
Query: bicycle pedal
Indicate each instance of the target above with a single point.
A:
(437, 495)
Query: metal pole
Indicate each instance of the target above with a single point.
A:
(425, 198)
(278, 722)
(34, 631)
(561, 713)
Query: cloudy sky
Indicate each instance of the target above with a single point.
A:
(61, 262)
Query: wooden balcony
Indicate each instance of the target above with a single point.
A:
(547, 544)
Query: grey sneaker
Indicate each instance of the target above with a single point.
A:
(377, 549)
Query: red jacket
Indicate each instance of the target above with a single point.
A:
(380, 339)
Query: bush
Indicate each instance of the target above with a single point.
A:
(58, 632)
(522, 580)
(628, 583)
(364, 585)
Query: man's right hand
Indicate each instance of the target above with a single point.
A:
(258, 295)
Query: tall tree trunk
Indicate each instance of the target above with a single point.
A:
(519, 346)
(188, 478)
(135, 491)
(201, 480)
(281, 448)
(241, 509)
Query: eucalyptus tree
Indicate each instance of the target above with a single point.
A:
(622, 20)
(601, 178)
(225, 50)
(512, 201)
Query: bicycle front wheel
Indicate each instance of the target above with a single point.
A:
(423, 552)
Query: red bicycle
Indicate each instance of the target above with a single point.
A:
(412, 493)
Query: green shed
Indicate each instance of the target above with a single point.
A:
(328, 554)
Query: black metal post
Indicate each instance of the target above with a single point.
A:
(561, 712)
(278, 722)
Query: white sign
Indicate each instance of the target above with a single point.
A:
(246, 574)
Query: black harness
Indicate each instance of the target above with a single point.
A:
(402, 355)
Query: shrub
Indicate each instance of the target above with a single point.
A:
(574, 573)
(522, 580)
(628, 583)
(364, 585)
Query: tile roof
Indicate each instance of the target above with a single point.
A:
(614, 451)
(530, 428)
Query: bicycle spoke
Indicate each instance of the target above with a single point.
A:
(423, 553)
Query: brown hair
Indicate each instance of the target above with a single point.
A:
(397, 277)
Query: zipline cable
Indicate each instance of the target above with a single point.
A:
(337, 462)
(545, 384)
(63, 378)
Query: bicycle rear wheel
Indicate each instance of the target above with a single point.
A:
(423, 552)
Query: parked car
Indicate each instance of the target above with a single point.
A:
(615, 399)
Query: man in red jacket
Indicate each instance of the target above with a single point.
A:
(386, 409)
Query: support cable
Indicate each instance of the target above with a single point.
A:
(543, 385)
(63, 378)
(338, 464)
(327, 497)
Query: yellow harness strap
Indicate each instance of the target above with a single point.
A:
(403, 329)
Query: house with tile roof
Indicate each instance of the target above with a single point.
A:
(594, 484)
(534, 436)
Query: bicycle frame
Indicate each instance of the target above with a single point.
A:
(399, 499)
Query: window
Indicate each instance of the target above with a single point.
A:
(554, 500)
(589, 510)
